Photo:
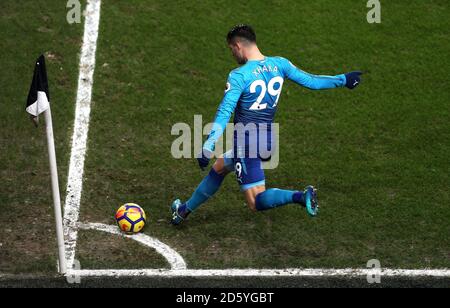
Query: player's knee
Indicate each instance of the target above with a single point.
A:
(251, 202)
(252, 206)
(251, 197)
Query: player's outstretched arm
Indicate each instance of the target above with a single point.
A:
(321, 82)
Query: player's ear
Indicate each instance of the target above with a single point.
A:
(239, 45)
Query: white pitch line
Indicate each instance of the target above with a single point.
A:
(348, 272)
(81, 128)
(175, 260)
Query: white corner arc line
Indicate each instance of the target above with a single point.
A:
(175, 260)
(347, 272)
(81, 128)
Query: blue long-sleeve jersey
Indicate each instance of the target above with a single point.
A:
(253, 92)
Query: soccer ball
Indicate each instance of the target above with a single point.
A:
(131, 218)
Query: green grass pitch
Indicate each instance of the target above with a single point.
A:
(379, 155)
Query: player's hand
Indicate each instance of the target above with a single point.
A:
(353, 79)
(203, 161)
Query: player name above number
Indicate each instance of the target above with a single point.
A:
(265, 68)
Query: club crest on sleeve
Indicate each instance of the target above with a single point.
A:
(227, 87)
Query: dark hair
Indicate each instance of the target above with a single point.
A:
(241, 31)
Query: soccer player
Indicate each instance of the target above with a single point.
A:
(252, 94)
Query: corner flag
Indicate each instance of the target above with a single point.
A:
(38, 98)
(37, 103)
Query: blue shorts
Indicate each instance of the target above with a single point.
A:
(249, 171)
(249, 151)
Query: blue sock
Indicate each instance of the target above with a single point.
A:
(207, 188)
(273, 198)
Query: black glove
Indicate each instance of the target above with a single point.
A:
(353, 79)
(203, 161)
